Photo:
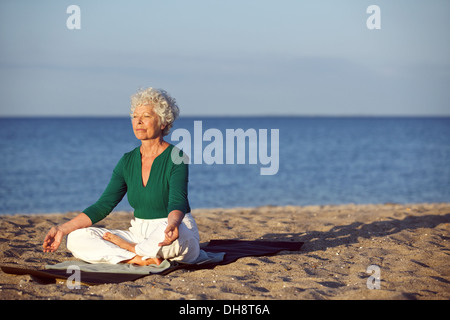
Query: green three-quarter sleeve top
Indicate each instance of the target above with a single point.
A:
(166, 189)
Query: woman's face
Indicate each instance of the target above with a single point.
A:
(146, 123)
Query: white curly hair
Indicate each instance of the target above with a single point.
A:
(163, 104)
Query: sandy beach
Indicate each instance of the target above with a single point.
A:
(409, 245)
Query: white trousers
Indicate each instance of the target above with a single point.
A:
(88, 244)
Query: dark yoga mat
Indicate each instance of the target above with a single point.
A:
(234, 249)
(50, 276)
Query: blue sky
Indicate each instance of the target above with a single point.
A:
(247, 57)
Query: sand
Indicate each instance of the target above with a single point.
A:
(409, 245)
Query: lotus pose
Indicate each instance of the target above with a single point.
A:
(156, 187)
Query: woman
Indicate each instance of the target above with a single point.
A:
(156, 187)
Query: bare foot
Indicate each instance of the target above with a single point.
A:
(138, 260)
(122, 243)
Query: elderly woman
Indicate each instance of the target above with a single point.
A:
(156, 187)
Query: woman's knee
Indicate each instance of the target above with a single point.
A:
(74, 238)
(78, 238)
(190, 250)
(188, 246)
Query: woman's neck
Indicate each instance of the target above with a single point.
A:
(153, 147)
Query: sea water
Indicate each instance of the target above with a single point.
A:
(64, 164)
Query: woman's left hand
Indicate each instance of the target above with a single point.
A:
(171, 234)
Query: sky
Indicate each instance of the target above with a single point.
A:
(226, 58)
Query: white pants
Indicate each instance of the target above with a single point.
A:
(88, 244)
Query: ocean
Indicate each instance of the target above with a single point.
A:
(63, 164)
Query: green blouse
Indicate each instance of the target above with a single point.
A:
(166, 189)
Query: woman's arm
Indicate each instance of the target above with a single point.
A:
(113, 194)
(178, 202)
(55, 235)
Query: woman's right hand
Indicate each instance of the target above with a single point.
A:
(53, 239)
(56, 234)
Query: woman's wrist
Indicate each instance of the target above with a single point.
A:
(175, 218)
(63, 228)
